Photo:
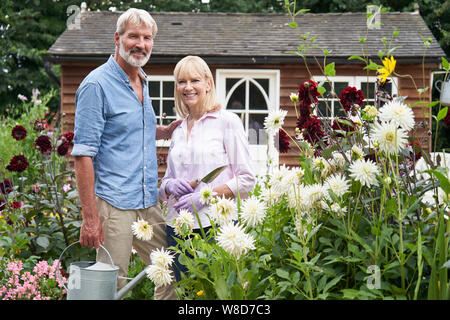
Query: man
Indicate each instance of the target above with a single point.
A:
(115, 150)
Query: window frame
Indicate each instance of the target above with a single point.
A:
(161, 98)
(353, 81)
(272, 98)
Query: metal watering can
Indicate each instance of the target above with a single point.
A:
(91, 280)
(445, 91)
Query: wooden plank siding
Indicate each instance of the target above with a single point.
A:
(291, 75)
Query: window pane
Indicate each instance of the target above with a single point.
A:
(388, 88)
(323, 110)
(339, 86)
(368, 94)
(237, 99)
(169, 107)
(338, 110)
(168, 87)
(264, 83)
(155, 105)
(154, 89)
(229, 83)
(327, 87)
(256, 132)
(257, 101)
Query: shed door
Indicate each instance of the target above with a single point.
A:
(251, 94)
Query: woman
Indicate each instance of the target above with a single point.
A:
(207, 138)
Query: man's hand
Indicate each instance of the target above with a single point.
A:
(91, 233)
(165, 132)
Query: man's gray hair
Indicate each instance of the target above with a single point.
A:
(136, 17)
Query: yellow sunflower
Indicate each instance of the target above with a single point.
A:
(386, 71)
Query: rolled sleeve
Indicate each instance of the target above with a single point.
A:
(89, 119)
(80, 150)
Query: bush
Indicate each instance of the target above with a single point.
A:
(38, 200)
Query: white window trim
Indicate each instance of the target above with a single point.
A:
(162, 143)
(274, 93)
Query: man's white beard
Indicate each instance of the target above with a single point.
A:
(135, 62)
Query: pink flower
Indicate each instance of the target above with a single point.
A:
(41, 268)
(15, 267)
(66, 187)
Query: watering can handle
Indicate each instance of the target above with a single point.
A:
(59, 261)
(436, 85)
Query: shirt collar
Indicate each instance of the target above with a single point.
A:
(214, 114)
(122, 74)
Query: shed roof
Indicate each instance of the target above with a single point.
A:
(250, 38)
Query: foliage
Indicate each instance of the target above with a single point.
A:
(144, 289)
(38, 202)
(359, 219)
(18, 281)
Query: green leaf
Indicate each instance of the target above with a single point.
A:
(329, 70)
(321, 90)
(372, 66)
(442, 113)
(332, 283)
(356, 57)
(301, 11)
(283, 274)
(445, 64)
(443, 180)
(43, 242)
(222, 289)
(293, 25)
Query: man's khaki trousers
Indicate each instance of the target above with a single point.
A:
(119, 239)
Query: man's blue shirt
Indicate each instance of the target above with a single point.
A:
(118, 132)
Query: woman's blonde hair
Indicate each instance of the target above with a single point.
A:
(136, 17)
(194, 65)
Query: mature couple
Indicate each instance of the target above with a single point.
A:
(115, 149)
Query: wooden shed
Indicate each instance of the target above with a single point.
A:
(248, 56)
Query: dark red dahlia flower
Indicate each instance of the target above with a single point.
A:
(6, 186)
(18, 163)
(68, 136)
(351, 96)
(39, 125)
(312, 130)
(19, 133)
(307, 93)
(343, 124)
(43, 144)
(63, 148)
(283, 140)
(16, 205)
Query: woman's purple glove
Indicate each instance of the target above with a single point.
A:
(178, 187)
(185, 202)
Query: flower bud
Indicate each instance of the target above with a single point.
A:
(294, 97)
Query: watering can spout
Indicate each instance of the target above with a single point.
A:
(130, 285)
